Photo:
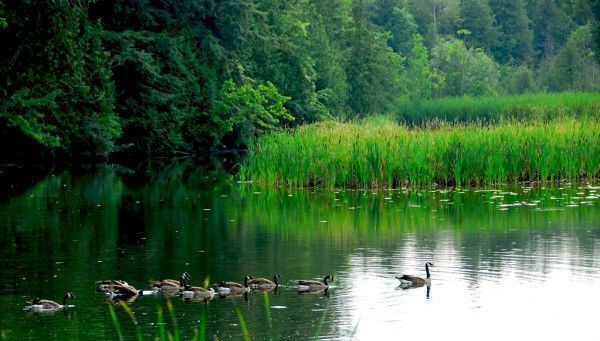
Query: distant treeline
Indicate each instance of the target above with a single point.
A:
(169, 76)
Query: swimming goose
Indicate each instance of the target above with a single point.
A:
(108, 284)
(124, 291)
(196, 292)
(171, 283)
(233, 287)
(414, 281)
(39, 305)
(312, 285)
(263, 283)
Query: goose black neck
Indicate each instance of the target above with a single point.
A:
(276, 282)
(65, 299)
(325, 280)
(427, 269)
(246, 281)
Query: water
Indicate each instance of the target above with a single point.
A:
(511, 262)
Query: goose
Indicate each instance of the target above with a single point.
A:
(233, 287)
(171, 284)
(312, 285)
(263, 283)
(39, 305)
(196, 292)
(124, 291)
(414, 281)
(108, 284)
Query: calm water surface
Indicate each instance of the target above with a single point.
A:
(514, 262)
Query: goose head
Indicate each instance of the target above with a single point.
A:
(69, 295)
(327, 279)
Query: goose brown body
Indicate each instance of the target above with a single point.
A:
(124, 290)
(415, 281)
(306, 285)
(108, 284)
(171, 283)
(49, 305)
(263, 283)
(234, 287)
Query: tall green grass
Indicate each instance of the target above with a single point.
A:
(381, 153)
(497, 108)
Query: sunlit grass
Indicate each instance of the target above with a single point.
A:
(381, 153)
(497, 108)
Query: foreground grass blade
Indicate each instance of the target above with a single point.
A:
(242, 324)
(322, 321)
(129, 312)
(161, 324)
(175, 334)
(115, 320)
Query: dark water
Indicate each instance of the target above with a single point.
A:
(518, 262)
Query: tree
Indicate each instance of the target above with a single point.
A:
(252, 111)
(397, 20)
(435, 18)
(574, 67)
(516, 38)
(477, 17)
(54, 78)
(418, 73)
(327, 34)
(466, 71)
(373, 68)
(550, 26)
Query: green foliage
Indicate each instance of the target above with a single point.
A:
(541, 107)
(373, 68)
(517, 80)
(463, 71)
(252, 111)
(98, 76)
(574, 67)
(477, 17)
(515, 43)
(57, 89)
(550, 26)
(361, 155)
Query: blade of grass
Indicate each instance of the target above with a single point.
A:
(322, 321)
(242, 324)
(115, 321)
(175, 336)
(268, 312)
(161, 324)
(129, 312)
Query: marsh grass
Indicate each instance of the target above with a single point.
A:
(379, 153)
(495, 109)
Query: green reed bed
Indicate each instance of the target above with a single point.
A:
(380, 153)
(497, 108)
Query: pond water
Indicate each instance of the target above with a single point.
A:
(514, 262)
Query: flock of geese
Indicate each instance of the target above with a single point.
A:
(119, 289)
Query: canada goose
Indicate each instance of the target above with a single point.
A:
(108, 284)
(233, 287)
(171, 283)
(312, 285)
(123, 291)
(196, 292)
(263, 283)
(39, 305)
(414, 281)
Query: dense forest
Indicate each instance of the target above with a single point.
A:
(93, 77)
